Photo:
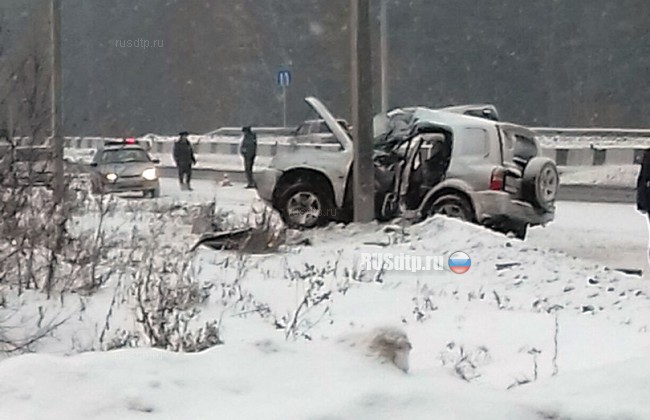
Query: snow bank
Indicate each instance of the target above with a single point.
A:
(527, 333)
(265, 380)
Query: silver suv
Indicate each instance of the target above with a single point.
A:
(426, 162)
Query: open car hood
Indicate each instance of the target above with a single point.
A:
(341, 136)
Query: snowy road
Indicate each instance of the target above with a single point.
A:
(615, 235)
(235, 198)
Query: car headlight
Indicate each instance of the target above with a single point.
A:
(150, 174)
(111, 177)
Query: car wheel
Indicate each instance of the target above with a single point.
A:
(518, 230)
(454, 206)
(155, 193)
(541, 183)
(304, 206)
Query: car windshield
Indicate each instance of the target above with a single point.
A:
(124, 156)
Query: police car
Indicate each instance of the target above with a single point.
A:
(124, 166)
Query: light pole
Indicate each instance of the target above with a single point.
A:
(383, 54)
(362, 112)
(56, 128)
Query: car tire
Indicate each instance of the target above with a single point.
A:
(454, 206)
(540, 183)
(155, 193)
(518, 230)
(305, 205)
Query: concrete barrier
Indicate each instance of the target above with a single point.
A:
(550, 153)
(619, 156)
(580, 157)
(275, 140)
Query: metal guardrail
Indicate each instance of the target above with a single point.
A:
(597, 132)
(260, 131)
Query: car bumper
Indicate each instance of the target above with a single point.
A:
(497, 206)
(127, 185)
(266, 181)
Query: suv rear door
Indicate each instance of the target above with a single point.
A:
(474, 157)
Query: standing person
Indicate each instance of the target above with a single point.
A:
(643, 189)
(184, 159)
(248, 150)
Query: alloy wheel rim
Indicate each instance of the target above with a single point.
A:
(548, 185)
(304, 209)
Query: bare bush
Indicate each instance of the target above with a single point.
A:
(20, 336)
(524, 380)
(168, 300)
(465, 363)
(386, 344)
(316, 293)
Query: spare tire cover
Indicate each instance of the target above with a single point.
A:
(541, 182)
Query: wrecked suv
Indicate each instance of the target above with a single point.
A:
(426, 162)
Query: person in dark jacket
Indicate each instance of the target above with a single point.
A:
(643, 185)
(248, 150)
(184, 159)
(643, 189)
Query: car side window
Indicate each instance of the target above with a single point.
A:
(525, 147)
(474, 142)
(323, 128)
(302, 130)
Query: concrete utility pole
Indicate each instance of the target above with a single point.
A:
(362, 112)
(383, 53)
(57, 134)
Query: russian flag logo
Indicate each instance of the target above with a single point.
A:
(459, 262)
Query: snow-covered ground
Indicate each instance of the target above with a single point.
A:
(615, 235)
(524, 311)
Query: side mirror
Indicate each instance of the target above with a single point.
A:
(93, 164)
(156, 161)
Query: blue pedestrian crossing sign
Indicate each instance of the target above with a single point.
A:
(284, 78)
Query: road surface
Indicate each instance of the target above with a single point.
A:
(615, 235)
